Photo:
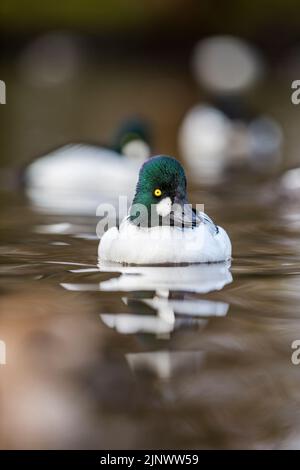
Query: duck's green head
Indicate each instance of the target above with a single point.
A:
(133, 139)
(160, 193)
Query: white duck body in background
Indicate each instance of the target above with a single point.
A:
(222, 133)
(75, 178)
(203, 139)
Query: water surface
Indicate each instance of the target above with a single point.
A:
(105, 356)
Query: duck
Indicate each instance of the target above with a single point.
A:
(161, 227)
(286, 191)
(215, 143)
(289, 183)
(223, 136)
(72, 179)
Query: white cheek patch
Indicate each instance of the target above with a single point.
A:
(164, 207)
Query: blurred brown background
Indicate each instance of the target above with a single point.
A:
(74, 70)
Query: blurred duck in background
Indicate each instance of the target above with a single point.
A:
(223, 135)
(75, 178)
(290, 184)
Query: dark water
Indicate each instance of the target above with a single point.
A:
(185, 357)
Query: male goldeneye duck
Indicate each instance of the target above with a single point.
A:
(161, 227)
(75, 177)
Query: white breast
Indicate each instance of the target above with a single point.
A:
(159, 245)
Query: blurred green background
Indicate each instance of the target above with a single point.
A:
(143, 17)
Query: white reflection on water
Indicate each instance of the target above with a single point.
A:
(163, 363)
(169, 307)
(198, 278)
(168, 314)
(133, 323)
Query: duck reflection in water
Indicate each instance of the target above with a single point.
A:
(172, 308)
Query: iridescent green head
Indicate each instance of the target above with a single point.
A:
(161, 185)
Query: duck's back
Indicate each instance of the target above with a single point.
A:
(76, 178)
(81, 167)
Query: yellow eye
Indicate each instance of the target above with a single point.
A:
(157, 192)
